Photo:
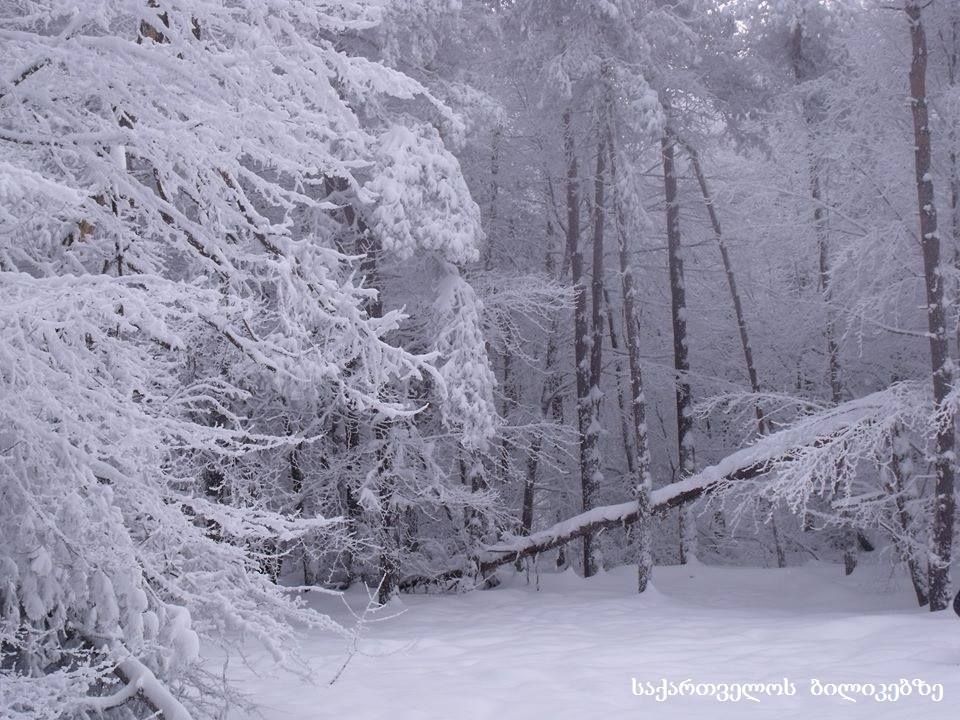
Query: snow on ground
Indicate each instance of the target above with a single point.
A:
(570, 649)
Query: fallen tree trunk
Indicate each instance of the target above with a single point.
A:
(591, 521)
(138, 681)
(750, 462)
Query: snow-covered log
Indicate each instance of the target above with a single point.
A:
(591, 521)
(140, 680)
(750, 462)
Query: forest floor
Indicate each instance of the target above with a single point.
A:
(570, 649)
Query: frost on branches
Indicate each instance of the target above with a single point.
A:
(180, 323)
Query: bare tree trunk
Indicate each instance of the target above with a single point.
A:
(941, 548)
(388, 531)
(741, 321)
(478, 525)
(848, 535)
(953, 79)
(581, 335)
(529, 486)
(510, 392)
(368, 247)
(494, 195)
(800, 68)
(621, 515)
(551, 403)
(509, 400)
(629, 451)
(731, 284)
(678, 307)
(900, 471)
(823, 253)
(387, 539)
(643, 482)
(801, 74)
(591, 486)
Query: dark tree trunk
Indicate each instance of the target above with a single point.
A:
(741, 322)
(388, 531)
(478, 523)
(591, 487)
(678, 307)
(581, 340)
(811, 108)
(941, 549)
(823, 256)
(953, 78)
(621, 515)
(509, 397)
(643, 482)
(549, 399)
(494, 196)
(509, 400)
(899, 478)
(731, 284)
(630, 455)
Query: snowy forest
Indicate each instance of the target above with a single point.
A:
(471, 358)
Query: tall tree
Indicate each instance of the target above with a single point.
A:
(686, 463)
(941, 548)
(742, 329)
(642, 478)
(183, 330)
(589, 436)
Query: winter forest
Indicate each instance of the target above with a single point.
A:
(478, 358)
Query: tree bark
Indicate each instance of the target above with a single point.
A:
(551, 403)
(621, 515)
(741, 321)
(941, 548)
(388, 530)
(731, 284)
(900, 465)
(591, 489)
(643, 482)
(629, 452)
(823, 256)
(581, 340)
(672, 496)
(509, 397)
(678, 308)
(953, 79)
(801, 73)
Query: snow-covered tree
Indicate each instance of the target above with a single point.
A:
(181, 324)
